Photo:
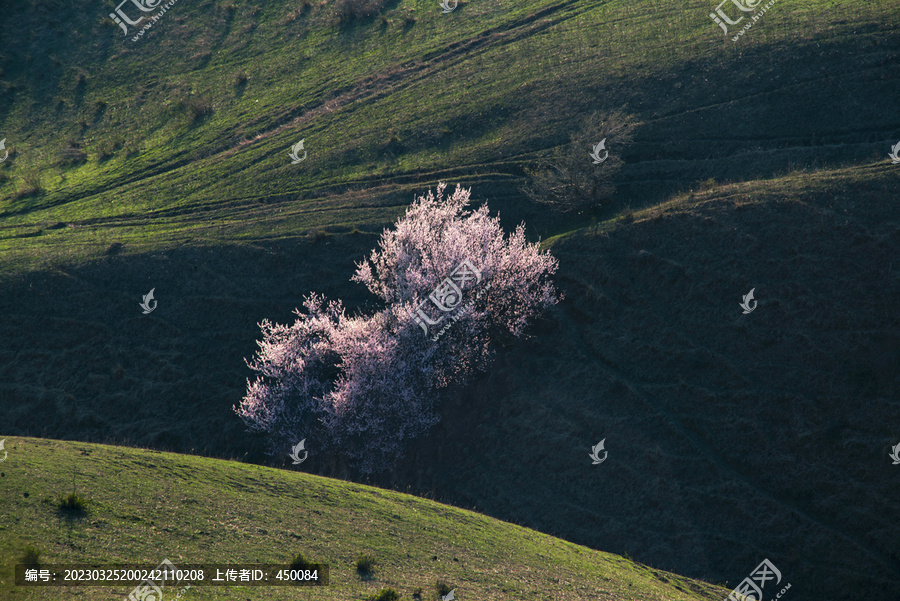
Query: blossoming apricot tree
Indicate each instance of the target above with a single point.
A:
(364, 385)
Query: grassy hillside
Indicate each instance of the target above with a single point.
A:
(144, 506)
(183, 136)
(758, 164)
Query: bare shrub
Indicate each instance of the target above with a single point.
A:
(72, 155)
(197, 108)
(239, 78)
(569, 180)
(351, 10)
(32, 184)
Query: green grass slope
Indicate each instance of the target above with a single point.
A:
(144, 506)
(183, 136)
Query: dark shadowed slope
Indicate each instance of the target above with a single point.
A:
(731, 437)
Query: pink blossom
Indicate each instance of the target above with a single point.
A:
(363, 386)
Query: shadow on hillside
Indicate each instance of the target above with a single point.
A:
(730, 436)
(84, 363)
